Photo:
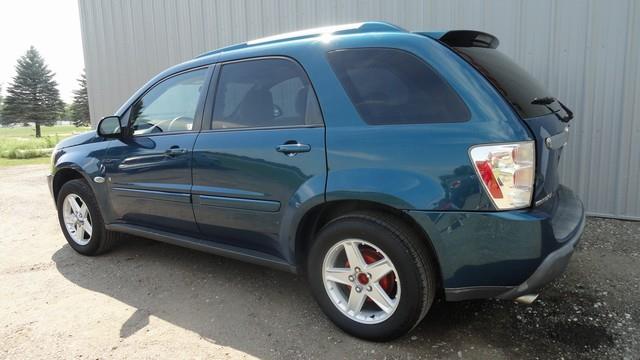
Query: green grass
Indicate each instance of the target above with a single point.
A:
(20, 143)
(30, 131)
(33, 161)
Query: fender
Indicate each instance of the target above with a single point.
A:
(400, 189)
(86, 159)
(308, 196)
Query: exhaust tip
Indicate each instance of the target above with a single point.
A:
(526, 299)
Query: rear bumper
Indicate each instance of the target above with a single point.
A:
(553, 266)
(504, 254)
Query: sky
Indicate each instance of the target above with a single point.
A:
(53, 27)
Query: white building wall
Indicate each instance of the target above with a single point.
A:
(586, 52)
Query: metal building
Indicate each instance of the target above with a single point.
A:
(586, 52)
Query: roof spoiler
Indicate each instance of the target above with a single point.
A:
(464, 38)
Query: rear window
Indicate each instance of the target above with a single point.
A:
(390, 86)
(515, 84)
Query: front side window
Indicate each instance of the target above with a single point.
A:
(170, 106)
(264, 93)
(391, 86)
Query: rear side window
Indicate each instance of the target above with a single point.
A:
(264, 93)
(390, 86)
(515, 84)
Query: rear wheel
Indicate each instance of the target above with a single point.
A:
(81, 220)
(371, 275)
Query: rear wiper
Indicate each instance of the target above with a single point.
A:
(543, 100)
(547, 100)
(566, 109)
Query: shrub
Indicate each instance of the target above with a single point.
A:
(18, 148)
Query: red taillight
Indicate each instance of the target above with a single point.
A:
(506, 172)
(484, 168)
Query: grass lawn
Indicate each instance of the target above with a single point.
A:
(62, 131)
(33, 161)
(19, 145)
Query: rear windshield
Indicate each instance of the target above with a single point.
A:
(390, 86)
(517, 86)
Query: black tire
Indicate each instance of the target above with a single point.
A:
(101, 239)
(408, 253)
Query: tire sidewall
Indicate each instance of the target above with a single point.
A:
(411, 298)
(80, 188)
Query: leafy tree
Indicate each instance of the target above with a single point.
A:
(80, 106)
(33, 96)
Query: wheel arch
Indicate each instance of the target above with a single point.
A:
(64, 175)
(318, 216)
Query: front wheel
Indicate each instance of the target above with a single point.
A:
(81, 220)
(371, 275)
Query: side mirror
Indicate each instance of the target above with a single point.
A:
(109, 127)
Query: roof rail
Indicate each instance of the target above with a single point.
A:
(464, 38)
(354, 28)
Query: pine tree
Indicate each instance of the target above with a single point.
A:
(33, 96)
(80, 106)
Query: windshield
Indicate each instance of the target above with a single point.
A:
(515, 84)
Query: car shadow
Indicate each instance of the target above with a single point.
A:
(271, 314)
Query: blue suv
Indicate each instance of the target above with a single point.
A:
(389, 167)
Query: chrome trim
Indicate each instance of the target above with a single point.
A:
(544, 199)
(526, 299)
(263, 128)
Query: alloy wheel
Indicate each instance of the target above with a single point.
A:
(77, 219)
(361, 281)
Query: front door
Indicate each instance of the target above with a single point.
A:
(262, 155)
(149, 169)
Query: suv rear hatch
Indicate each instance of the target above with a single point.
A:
(546, 117)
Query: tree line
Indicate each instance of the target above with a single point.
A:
(33, 96)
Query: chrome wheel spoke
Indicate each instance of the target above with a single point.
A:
(354, 255)
(80, 232)
(74, 205)
(380, 297)
(356, 300)
(84, 210)
(87, 227)
(379, 269)
(338, 275)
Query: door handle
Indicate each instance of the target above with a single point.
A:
(291, 148)
(174, 151)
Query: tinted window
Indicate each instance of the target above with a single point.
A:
(517, 86)
(169, 106)
(264, 93)
(389, 86)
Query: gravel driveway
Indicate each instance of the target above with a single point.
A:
(147, 299)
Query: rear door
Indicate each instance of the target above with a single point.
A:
(546, 117)
(149, 170)
(262, 154)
